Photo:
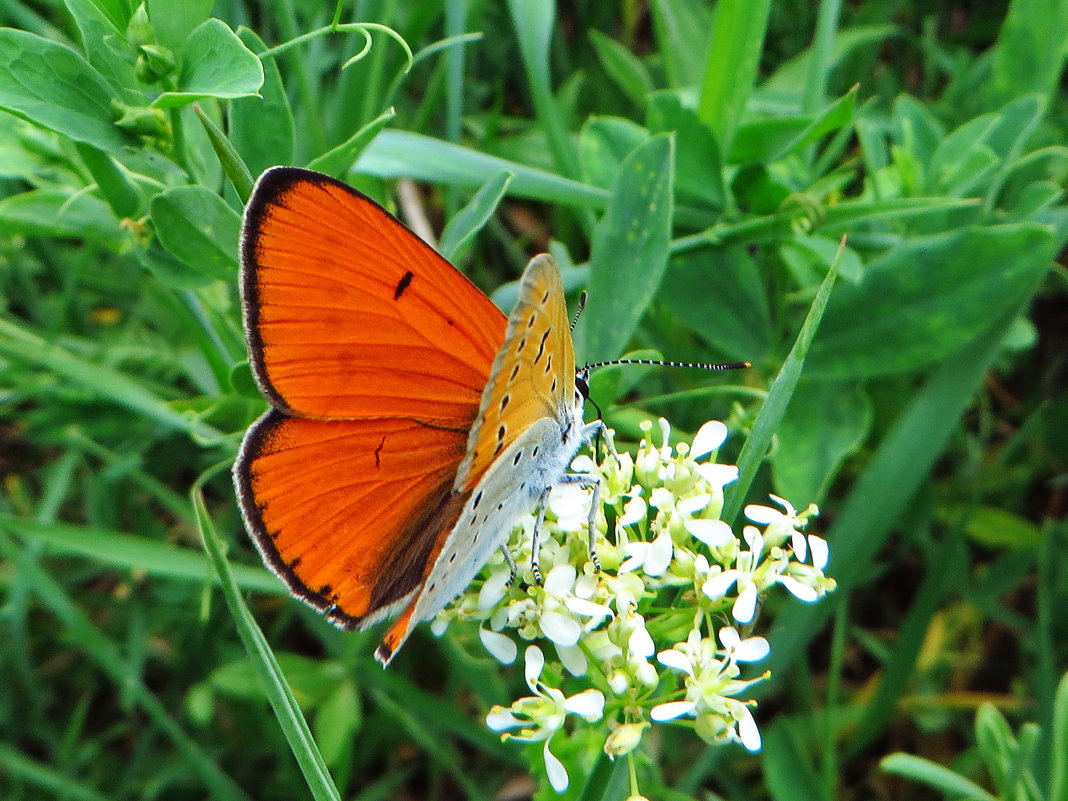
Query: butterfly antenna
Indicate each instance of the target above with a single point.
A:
(658, 363)
(578, 311)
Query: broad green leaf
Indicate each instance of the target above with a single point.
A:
(402, 154)
(534, 23)
(262, 128)
(995, 528)
(114, 184)
(628, 254)
(770, 139)
(916, 129)
(1030, 52)
(337, 721)
(698, 165)
(720, 295)
(1016, 122)
(197, 226)
(471, 219)
(169, 269)
(120, 549)
(604, 143)
(102, 27)
(932, 774)
(789, 79)
(339, 159)
(216, 64)
(681, 29)
(731, 64)
(825, 422)
(623, 67)
(57, 213)
(174, 22)
(927, 297)
(52, 86)
(807, 258)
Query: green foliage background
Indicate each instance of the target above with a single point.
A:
(694, 166)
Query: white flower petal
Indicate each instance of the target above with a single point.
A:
(560, 579)
(802, 592)
(501, 646)
(718, 584)
(555, 770)
(560, 628)
(633, 510)
(821, 554)
(588, 704)
(439, 626)
(636, 553)
(501, 718)
(713, 533)
(671, 710)
(754, 539)
(534, 661)
(728, 635)
(708, 438)
(493, 590)
(718, 475)
(583, 464)
(640, 643)
(587, 608)
(693, 504)
(659, 556)
(661, 498)
(675, 659)
(573, 659)
(748, 732)
(744, 609)
(800, 545)
(752, 649)
(785, 504)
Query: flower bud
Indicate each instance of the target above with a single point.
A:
(624, 739)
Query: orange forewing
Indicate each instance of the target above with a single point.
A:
(348, 512)
(350, 315)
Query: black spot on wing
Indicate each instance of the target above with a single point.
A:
(518, 456)
(541, 345)
(403, 284)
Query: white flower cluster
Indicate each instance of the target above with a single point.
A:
(660, 610)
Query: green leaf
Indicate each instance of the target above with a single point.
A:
(102, 27)
(604, 143)
(934, 775)
(120, 549)
(770, 139)
(471, 219)
(337, 722)
(262, 128)
(196, 225)
(272, 679)
(338, 160)
(402, 154)
(698, 165)
(1031, 49)
(52, 86)
(121, 193)
(995, 528)
(789, 80)
(628, 254)
(720, 295)
(216, 64)
(174, 22)
(731, 63)
(1058, 760)
(58, 213)
(825, 422)
(782, 390)
(925, 298)
(680, 28)
(623, 67)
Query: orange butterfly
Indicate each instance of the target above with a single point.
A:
(411, 422)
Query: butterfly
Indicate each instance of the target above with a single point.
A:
(410, 422)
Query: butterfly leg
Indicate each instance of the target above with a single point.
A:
(594, 485)
(512, 569)
(535, 536)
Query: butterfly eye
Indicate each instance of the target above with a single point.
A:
(582, 387)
